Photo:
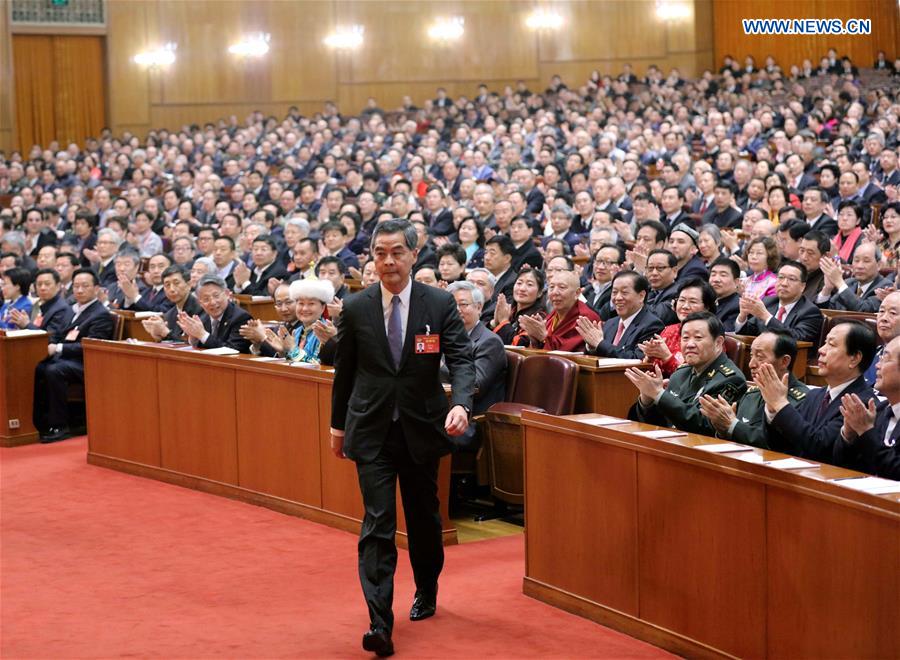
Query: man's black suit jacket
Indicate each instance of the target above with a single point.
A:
(693, 268)
(490, 368)
(527, 253)
(191, 307)
(228, 332)
(729, 218)
(442, 223)
(727, 309)
(368, 385)
(107, 273)
(848, 300)
(804, 321)
(259, 285)
(95, 322)
(642, 328)
(869, 452)
(826, 224)
(115, 297)
(659, 302)
(505, 286)
(812, 430)
(55, 315)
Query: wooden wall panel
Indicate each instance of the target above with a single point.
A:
(787, 50)
(129, 84)
(6, 80)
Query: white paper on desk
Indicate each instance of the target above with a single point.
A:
(791, 464)
(872, 485)
(606, 421)
(751, 457)
(222, 350)
(266, 359)
(260, 298)
(563, 353)
(659, 434)
(724, 448)
(145, 315)
(24, 333)
(305, 365)
(617, 362)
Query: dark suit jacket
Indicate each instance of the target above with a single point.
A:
(505, 285)
(677, 220)
(527, 254)
(95, 322)
(730, 217)
(727, 309)
(192, 307)
(227, 334)
(441, 224)
(490, 368)
(848, 300)
(259, 286)
(107, 274)
(642, 328)
(814, 284)
(116, 297)
(810, 432)
(535, 201)
(152, 301)
(869, 452)
(827, 225)
(368, 385)
(600, 302)
(426, 259)
(56, 314)
(693, 268)
(872, 194)
(659, 302)
(804, 321)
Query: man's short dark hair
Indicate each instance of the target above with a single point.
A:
(68, 256)
(87, 271)
(47, 271)
(324, 261)
(796, 229)
(503, 242)
(785, 344)
(397, 226)
(175, 269)
(620, 251)
(333, 225)
(676, 189)
(713, 323)
(268, 240)
(230, 241)
(730, 264)
(659, 228)
(638, 281)
(861, 340)
(725, 184)
(804, 273)
(823, 194)
(823, 243)
(566, 248)
(671, 258)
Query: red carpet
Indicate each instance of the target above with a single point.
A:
(95, 563)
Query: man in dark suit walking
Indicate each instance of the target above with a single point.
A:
(391, 416)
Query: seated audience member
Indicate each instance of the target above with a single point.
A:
(184, 251)
(813, 246)
(202, 266)
(726, 214)
(103, 259)
(607, 261)
(887, 326)
(335, 239)
(665, 349)
(528, 300)
(869, 432)
(560, 225)
(520, 233)
(762, 257)
(815, 201)
(369, 274)
(490, 359)
(634, 323)
(264, 252)
(64, 364)
(683, 244)
(812, 429)
(706, 370)
(303, 261)
(747, 424)
(850, 234)
(498, 253)
(66, 265)
(662, 272)
(482, 278)
(471, 239)
(859, 293)
(427, 275)
(333, 270)
(724, 277)
(128, 285)
(53, 313)
(177, 287)
(153, 298)
(220, 323)
(310, 298)
(255, 330)
(786, 310)
(709, 244)
(16, 283)
(558, 331)
(225, 258)
(144, 240)
(451, 262)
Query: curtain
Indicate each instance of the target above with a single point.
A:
(60, 91)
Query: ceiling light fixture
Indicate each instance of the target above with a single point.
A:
(447, 29)
(346, 38)
(671, 11)
(544, 19)
(255, 45)
(163, 56)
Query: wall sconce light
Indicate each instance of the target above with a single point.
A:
(544, 19)
(671, 11)
(447, 29)
(346, 38)
(255, 45)
(159, 57)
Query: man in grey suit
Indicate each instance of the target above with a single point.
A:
(390, 415)
(490, 358)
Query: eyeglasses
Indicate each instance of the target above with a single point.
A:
(464, 305)
(657, 269)
(606, 263)
(788, 278)
(688, 301)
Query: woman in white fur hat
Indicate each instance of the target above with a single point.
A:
(310, 298)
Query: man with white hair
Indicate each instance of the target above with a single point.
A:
(490, 358)
(485, 281)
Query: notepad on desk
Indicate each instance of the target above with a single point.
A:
(222, 350)
(724, 448)
(606, 421)
(145, 315)
(871, 485)
(617, 362)
(24, 333)
(791, 464)
(660, 434)
(266, 359)
(563, 353)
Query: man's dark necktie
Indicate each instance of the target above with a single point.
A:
(890, 439)
(395, 331)
(213, 327)
(825, 401)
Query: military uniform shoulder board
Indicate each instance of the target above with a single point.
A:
(797, 393)
(725, 369)
(752, 388)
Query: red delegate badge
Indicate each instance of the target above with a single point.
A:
(428, 344)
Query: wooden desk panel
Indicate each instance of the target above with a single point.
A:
(606, 390)
(602, 565)
(340, 485)
(273, 457)
(692, 565)
(127, 399)
(132, 328)
(197, 426)
(18, 358)
(262, 308)
(834, 580)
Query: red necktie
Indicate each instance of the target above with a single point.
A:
(703, 206)
(619, 333)
(780, 314)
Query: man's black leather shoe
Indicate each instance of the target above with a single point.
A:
(378, 641)
(55, 435)
(423, 606)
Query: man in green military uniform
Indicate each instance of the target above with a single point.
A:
(706, 370)
(745, 421)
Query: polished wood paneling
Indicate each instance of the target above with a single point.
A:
(693, 566)
(129, 84)
(828, 563)
(273, 458)
(18, 358)
(787, 50)
(602, 565)
(340, 486)
(6, 80)
(199, 440)
(111, 394)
